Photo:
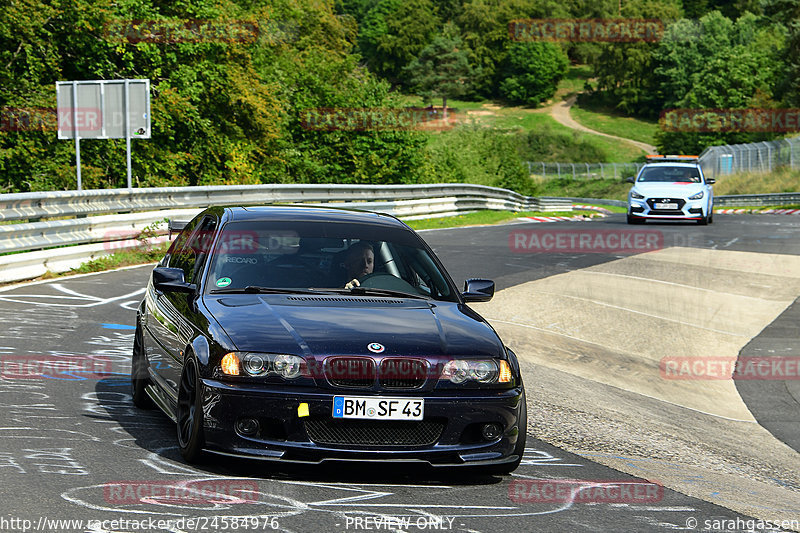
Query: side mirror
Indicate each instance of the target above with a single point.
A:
(630, 180)
(478, 290)
(167, 279)
(710, 181)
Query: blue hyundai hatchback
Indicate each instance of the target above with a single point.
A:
(306, 335)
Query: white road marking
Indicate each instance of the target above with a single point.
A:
(68, 294)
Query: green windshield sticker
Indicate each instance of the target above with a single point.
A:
(223, 282)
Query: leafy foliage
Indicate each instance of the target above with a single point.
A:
(442, 70)
(691, 60)
(531, 72)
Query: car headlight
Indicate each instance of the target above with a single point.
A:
(696, 196)
(288, 366)
(481, 371)
(636, 195)
(262, 364)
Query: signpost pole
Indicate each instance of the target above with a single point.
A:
(75, 132)
(128, 129)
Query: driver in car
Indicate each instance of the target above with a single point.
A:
(359, 263)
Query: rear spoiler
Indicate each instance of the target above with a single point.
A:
(176, 226)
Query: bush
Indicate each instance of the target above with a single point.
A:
(530, 72)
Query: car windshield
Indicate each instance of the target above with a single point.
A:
(669, 174)
(267, 255)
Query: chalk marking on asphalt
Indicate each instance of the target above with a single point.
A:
(642, 313)
(92, 301)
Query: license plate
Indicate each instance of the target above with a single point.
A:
(372, 408)
(666, 206)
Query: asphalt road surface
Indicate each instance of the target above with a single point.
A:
(74, 448)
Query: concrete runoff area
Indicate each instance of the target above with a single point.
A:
(590, 342)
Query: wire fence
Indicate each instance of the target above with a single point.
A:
(583, 170)
(761, 157)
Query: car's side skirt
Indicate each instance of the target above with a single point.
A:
(163, 403)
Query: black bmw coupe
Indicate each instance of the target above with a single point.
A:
(307, 334)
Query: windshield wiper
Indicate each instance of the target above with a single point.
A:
(383, 292)
(255, 289)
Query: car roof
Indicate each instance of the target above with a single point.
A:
(310, 214)
(672, 164)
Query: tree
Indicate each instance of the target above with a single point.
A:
(531, 71)
(788, 12)
(624, 71)
(442, 69)
(394, 32)
(224, 110)
(717, 64)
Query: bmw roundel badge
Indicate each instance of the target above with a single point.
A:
(375, 347)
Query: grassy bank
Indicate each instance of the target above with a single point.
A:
(782, 180)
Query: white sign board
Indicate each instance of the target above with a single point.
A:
(99, 108)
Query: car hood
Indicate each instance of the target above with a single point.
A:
(320, 325)
(668, 189)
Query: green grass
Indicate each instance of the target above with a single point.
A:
(608, 121)
(574, 81)
(483, 218)
(612, 208)
(608, 188)
(782, 180)
(123, 258)
(614, 150)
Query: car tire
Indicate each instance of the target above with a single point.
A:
(703, 221)
(190, 412)
(634, 220)
(711, 216)
(519, 447)
(139, 375)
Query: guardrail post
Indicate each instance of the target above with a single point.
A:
(544, 171)
(558, 167)
(615, 170)
(573, 170)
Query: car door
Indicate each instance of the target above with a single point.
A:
(176, 312)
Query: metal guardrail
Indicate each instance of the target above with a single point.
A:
(83, 237)
(64, 244)
(737, 200)
(37, 205)
(741, 200)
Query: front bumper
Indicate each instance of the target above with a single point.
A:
(283, 435)
(687, 209)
